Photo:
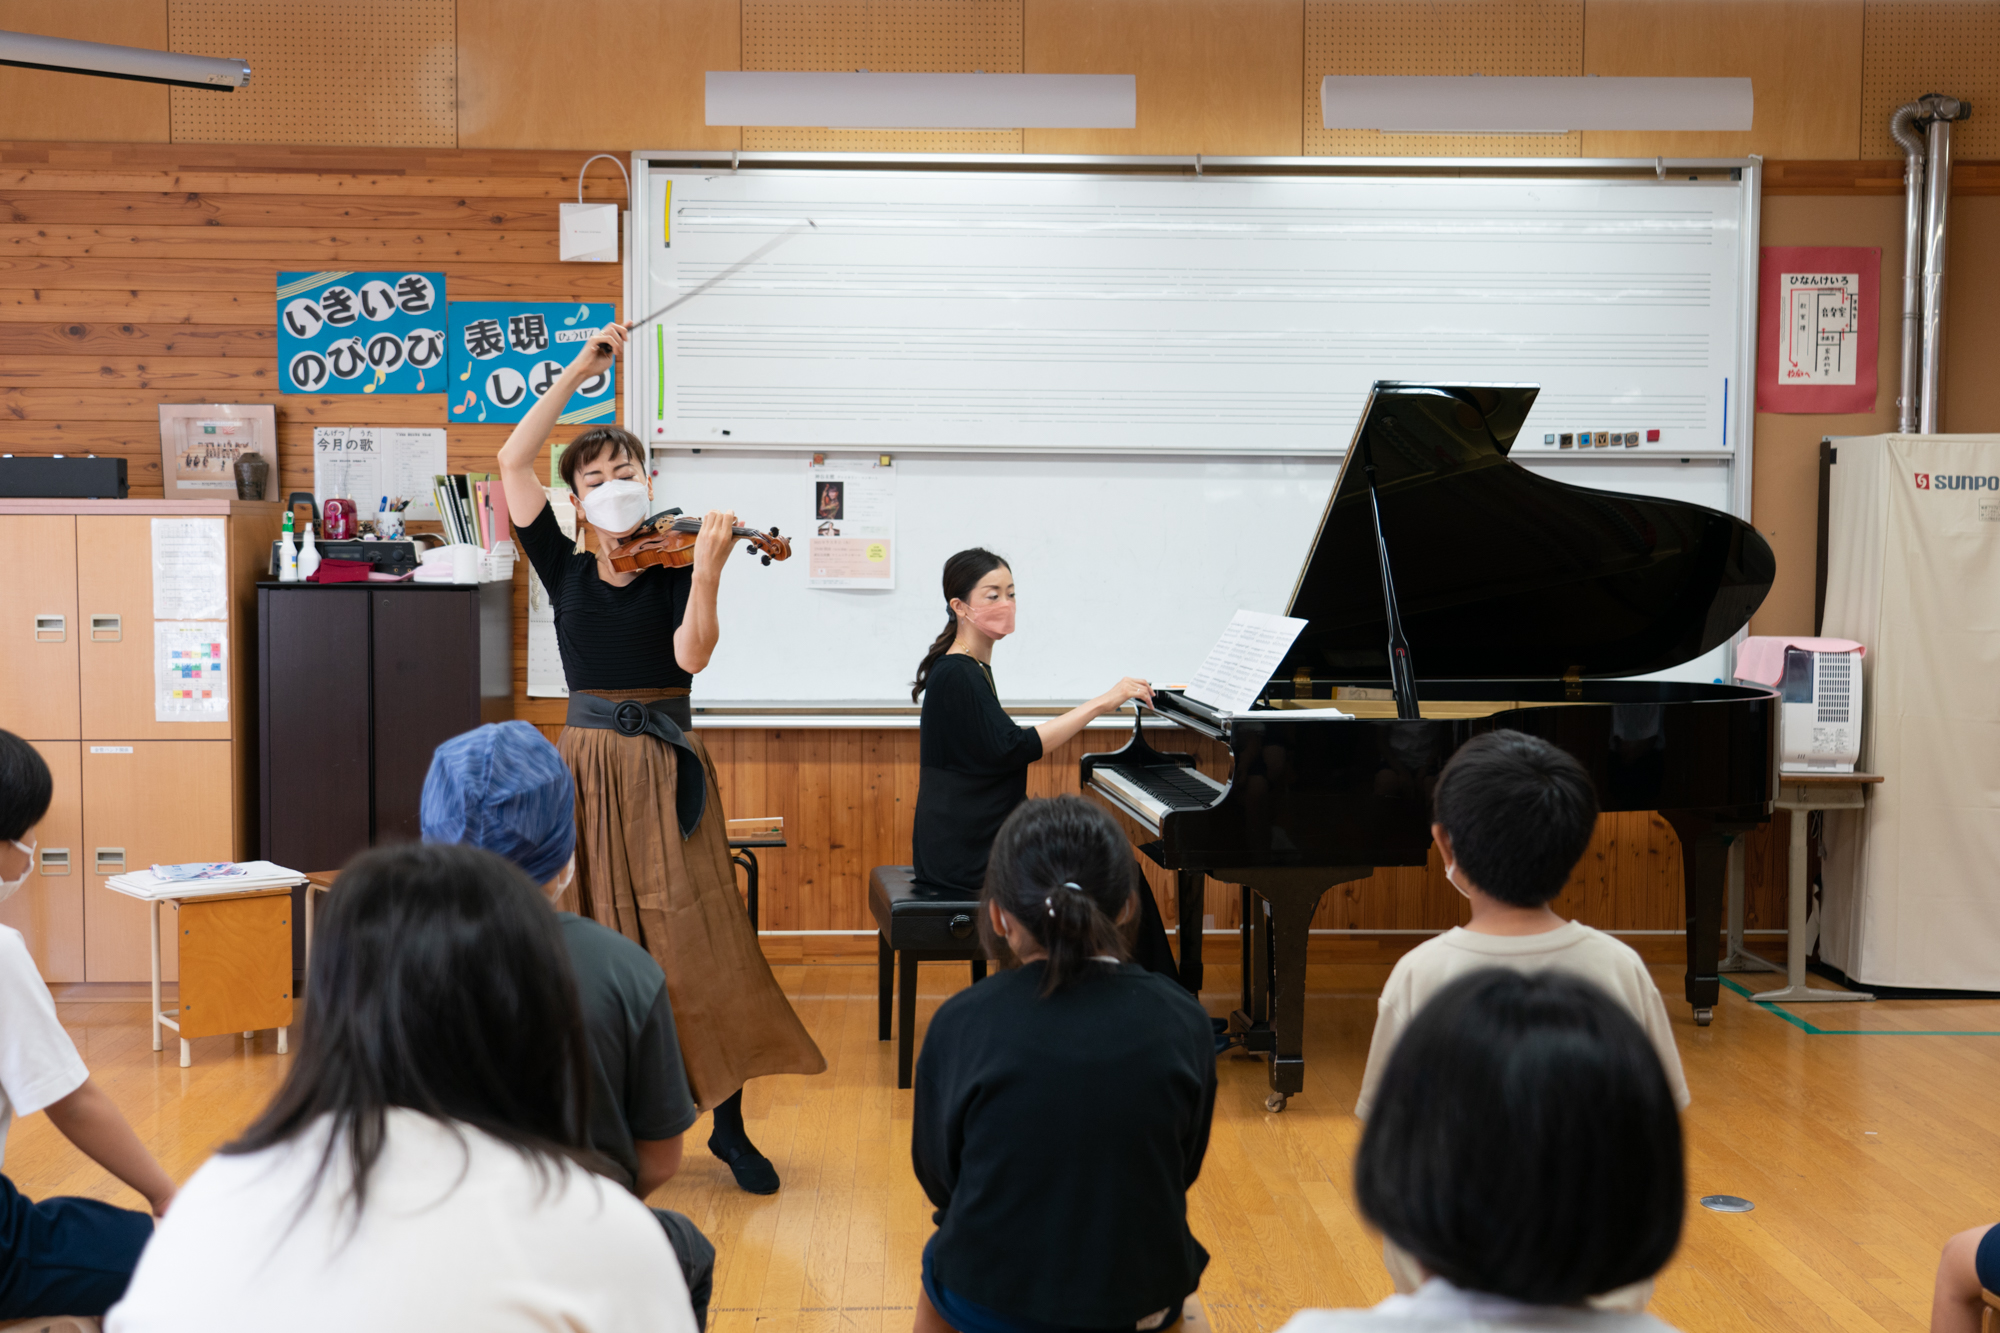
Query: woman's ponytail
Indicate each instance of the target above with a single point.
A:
(961, 575)
(1063, 870)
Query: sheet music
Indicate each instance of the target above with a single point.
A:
(1241, 663)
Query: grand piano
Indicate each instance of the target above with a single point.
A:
(1449, 592)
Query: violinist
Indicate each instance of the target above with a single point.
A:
(652, 855)
(973, 758)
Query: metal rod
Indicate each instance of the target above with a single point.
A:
(1942, 111)
(1903, 129)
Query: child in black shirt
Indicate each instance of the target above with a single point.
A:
(1062, 1107)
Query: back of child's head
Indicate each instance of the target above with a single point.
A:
(1524, 1141)
(1520, 813)
(1063, 870)
(25, 787)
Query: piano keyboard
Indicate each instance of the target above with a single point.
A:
(1152, 792)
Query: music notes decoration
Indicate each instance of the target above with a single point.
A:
(511, 352)
(370, 333)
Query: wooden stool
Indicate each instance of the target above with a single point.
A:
(922, 929)
(1989, 1318)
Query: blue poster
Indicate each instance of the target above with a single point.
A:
(506, 354)
(361, 332)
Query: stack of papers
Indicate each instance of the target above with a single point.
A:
(243, 877)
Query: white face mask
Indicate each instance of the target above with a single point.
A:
(618, 506)
(9, 886)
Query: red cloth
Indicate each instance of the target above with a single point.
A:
(341, 571)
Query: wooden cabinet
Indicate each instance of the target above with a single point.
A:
(79, 681)
(38, 629)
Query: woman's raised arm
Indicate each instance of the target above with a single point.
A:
(525, 496)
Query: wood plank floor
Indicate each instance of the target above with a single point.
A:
(1861, 1152)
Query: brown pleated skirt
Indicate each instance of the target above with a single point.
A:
(677, 897)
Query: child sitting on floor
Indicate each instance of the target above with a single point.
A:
(1062, 1106)
(1525, 1153)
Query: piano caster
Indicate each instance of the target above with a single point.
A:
(1703, 1017)
(1275, 1102)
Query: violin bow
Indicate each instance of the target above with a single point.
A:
(731, 271)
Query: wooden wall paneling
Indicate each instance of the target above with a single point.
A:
(1971, 342)
(363, 72)
(1912, 49)
(1217, 77)
(883, 36)
(1802, 56)
(603, 75)
(48, 909)
(1488, 37)
(36, 104)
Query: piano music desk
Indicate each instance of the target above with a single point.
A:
(1800, 793)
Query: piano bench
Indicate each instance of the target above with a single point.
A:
(922, 928)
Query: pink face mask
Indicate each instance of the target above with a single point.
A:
(993, 619)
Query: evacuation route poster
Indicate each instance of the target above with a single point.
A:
(1819, 319)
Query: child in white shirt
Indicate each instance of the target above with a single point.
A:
(60, 1256)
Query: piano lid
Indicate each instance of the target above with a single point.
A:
(1504, 574)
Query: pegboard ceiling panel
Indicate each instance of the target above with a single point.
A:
(1940, 46)
(374, 72)
(887, 37)
(1491, 37)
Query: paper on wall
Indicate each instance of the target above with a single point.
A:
(1241, 663)
(190, 671)
(365, 463)
(850, 535)
(190, 569)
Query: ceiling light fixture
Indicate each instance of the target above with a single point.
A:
(863, 100)
(27, 50)
(1472, 104)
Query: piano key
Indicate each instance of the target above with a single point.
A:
(1150, 793)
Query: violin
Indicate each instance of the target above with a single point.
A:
(668, 539)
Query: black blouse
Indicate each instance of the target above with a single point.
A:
(973, 771)
(611, 638)
(1058, 1137)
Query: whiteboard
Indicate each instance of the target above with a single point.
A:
(1137, 388)
(1221, 314)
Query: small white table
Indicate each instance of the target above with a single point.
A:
(1800, 793)
(234, 991)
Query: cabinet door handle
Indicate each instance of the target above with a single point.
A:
(110, 860)
(55, 860)
(51, 629)
(106, 629)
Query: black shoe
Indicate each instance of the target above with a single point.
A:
(752, 1169)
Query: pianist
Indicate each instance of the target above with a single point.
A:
(973, 757)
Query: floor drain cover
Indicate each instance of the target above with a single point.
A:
(1726, 1203)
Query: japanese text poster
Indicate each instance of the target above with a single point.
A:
(367, 463)
(1819, 318)
(506, 354)
(850, 540)
(361, 332)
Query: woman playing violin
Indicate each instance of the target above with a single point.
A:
(652, 855)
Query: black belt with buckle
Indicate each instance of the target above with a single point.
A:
(664, 720)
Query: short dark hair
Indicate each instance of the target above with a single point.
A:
(25, 787)
(439, 983)
(1524, 1141)
(1063, 870)
(592, 445)
(1520, 813)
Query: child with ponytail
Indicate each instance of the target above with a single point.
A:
(1063, 1105)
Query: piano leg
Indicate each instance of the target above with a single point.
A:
(1190, 895)
(1275, 952)
(1705, 874)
